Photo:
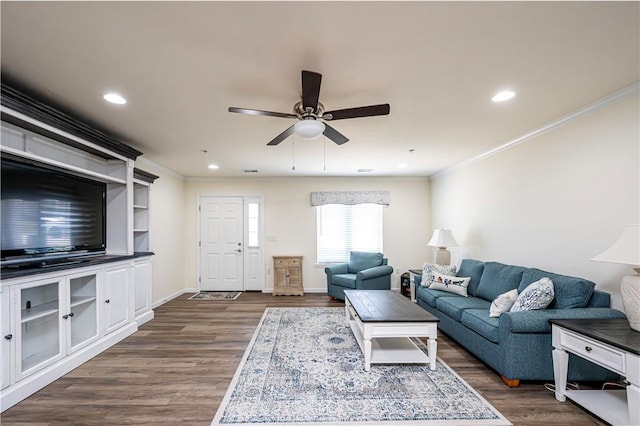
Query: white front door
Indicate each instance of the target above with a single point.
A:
(221, 244)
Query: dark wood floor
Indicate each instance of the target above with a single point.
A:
(177, 367)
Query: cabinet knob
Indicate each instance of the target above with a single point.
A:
(71, 314)
(239, 251)
(65, 316)
(588, 348)
(9, 336)
(107, 301)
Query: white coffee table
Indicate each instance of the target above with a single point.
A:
(383, 322)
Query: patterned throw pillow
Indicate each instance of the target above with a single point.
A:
(503, 303)
(537, 295)
(457, 285)
(429, 268)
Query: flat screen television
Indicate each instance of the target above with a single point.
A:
(48, 215)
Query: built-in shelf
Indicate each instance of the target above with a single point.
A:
(39, 311)
(25, 144)
(81, 300)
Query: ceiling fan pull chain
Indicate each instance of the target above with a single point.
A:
(293, 153)
(324, 153)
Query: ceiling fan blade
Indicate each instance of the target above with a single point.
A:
(310, 89)
(282, 136)
(260, 112)
(335, 135)
(365, 111)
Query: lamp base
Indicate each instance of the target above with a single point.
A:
(442, 256)
(630, 291)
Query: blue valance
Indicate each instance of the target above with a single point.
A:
(350, 198)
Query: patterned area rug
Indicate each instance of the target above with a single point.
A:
(216, 295)
(304, 367)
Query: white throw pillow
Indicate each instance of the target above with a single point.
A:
(537, 295)
(452, 284)
(429, 268)
(503, 303)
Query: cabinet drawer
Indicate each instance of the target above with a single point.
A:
(286, 262)
(592, 350)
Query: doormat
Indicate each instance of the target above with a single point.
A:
(216, 295)
(303, 366)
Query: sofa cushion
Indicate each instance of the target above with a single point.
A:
(503, 303)
(454, 306)
(344, 280)
(537, 295)
(359, 260)
(479, 321)
(570, 292)
(428, 270)
(497, 279)
(451, 284)
(472, 269)
(430, 295)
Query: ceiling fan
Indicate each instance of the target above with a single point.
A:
(309, 111)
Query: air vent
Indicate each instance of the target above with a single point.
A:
(250, 170)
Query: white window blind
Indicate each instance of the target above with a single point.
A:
(342, 228)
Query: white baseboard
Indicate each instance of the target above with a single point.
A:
(172, 296)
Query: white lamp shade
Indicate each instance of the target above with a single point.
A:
(309, 129)
(442, 238)
(626, 250)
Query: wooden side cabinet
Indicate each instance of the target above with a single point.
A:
(287, 271)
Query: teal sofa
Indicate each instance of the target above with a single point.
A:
(516, 344)
(365, 271)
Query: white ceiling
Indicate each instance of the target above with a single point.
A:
(182, 64)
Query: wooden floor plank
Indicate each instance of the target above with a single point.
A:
(176, 369)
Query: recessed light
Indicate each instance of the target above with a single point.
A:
(365, 170)
(502, 96)
(402, 166)
(114, 98)
(213, 166)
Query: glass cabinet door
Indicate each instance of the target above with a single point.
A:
(82, 315)
(40, 336)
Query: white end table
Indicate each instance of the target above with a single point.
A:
(610, 343)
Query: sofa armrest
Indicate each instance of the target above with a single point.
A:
(338, 268)
(537, 321)
(375, 272)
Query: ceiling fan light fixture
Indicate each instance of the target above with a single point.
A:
(309, 129)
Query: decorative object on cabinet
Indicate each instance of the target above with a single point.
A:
(287, 276)
(626, 250)
(442, 238)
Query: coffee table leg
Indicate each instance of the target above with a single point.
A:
(367, 354)
(433, 347)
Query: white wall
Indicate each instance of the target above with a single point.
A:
(291, 220)
(166, 231)
(552, 202)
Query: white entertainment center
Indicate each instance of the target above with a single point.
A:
(55, 318)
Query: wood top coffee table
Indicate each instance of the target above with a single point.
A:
(383, 322)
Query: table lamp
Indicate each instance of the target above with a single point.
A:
(626, 250)
(442, 238)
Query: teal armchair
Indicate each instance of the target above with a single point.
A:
(365, 271)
